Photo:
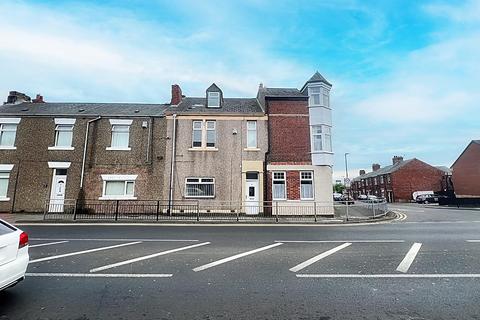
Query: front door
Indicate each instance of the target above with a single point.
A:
(57, 195)
(252, 194)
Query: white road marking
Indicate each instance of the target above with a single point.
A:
(99, 239)
(101, 275)
(409, 257)
(319, 257)
(237, 256)
(114, 265)
(46, 244)
(447, 275)
(85, 251)
(472, 240)
(340, 241)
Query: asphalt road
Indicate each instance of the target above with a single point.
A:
(422, 266)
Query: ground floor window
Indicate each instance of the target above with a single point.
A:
(199, 187)
(279, 186)
(306, 185)
(118, 187)
(4, 178)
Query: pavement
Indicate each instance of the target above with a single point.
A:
(422, 265)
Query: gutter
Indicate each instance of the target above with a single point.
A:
(85, 150)
(172, 164)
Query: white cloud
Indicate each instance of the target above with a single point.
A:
(469, 12)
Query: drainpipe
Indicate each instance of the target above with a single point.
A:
(172, 164)
(85, 150)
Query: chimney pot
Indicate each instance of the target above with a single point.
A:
(375, 167)
(397, 159)
(38, 99)
(15, 97)
(176, 94)
(362, 172)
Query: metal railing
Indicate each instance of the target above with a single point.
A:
(210, 210)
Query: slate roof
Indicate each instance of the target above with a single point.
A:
(385, 170)
(284, 92)
(83, 109)
(196, 105)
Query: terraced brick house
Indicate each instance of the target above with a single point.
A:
(67, 151)
(466, 175)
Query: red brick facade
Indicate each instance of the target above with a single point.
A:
(466, 172)
(289, 131)
(293, 185)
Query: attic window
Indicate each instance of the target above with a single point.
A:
(214, 99)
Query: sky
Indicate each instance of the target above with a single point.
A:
(405, 74)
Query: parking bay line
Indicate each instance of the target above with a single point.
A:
(46, 244)
(114, 265)
(409, 257)
(101, 275)
(340, 241)
(319, 257)
(237, 256)
(396, 275)
(84, 251)
(99, 239)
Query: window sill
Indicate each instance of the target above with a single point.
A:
(118, 149)
(7, 148)
(322, 151)
(202, 149)
(4, 199)
(251, 149)
(206, 197)
(117, 198)
(61, 148)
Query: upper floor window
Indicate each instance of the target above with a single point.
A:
(120, 134)
(213, 99)
(321, 138)
(381, 180)
(63, 135)
(319, 96)
(279, 191)
(204, 133)
(8, 132)
(251, 134)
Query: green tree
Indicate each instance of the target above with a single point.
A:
(338, 187)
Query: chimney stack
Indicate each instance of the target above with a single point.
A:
(375, 167)
(176, 94)
(397, 159)
(361, 172)
(15, 97)
(38, 99)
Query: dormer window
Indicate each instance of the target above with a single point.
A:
(214, 99)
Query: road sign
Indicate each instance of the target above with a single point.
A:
(346, 182)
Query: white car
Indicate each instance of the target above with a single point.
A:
(13, 255)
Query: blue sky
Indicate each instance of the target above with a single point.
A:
(406, 74)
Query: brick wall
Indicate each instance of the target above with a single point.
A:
(289, 131)
(466, 172)
(293, 185)
(415, 176)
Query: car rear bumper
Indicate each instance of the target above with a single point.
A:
(15, 270)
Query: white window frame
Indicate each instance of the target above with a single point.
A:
(312, 95)
(5, 170)
(207, 129)
(121, 123)
(9, 121)
(284, 179)
(311, 179)
(63, 122)
(252, 132)
(316, 134)
(204, 130)
(325, 136)
(130, 178)
(211, 96)
(197, 129)
(200, 181)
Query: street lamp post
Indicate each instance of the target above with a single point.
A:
(346, 179)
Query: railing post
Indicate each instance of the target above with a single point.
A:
(116, 211)
(276, 211)
(315, 210)
(237, 214)
(75, 210)
(158, 208)
(346, 212)
(198, 211)
(374, 211)
(45, 209)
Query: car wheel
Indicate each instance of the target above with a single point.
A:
(426, 202)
